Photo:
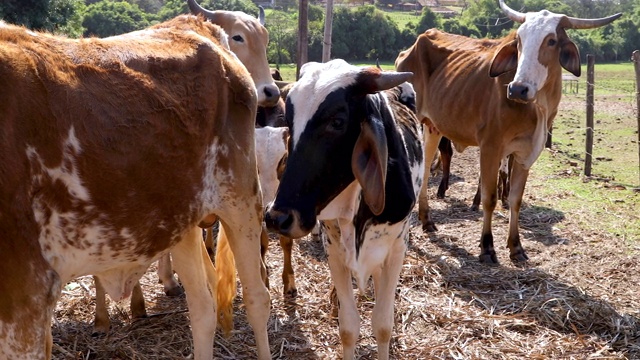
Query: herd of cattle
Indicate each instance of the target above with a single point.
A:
(115, 152)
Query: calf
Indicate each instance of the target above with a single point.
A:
(118, 149)
(355, 163)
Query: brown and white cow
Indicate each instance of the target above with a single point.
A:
(113, 151)
(355, 163)
(501, 95)
(248, 41)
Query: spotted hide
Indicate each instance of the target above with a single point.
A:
(498, 94)
(355, 163)
(112, 152)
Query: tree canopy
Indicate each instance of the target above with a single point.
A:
(363, 32)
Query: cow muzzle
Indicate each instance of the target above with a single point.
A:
(268, 95)
(285, 222)
(520, 92)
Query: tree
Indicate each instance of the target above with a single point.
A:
(62, 16)
(364, 33)
(282, 34)
(107, 18)
(428, 20)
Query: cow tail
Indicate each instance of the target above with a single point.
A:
(227, 287)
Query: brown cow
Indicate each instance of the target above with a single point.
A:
(248, 40)
(500, 95)
(113, 151)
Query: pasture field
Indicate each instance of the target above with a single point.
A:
(577, 298)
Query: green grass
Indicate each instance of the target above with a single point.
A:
(402, 18)
(607, 200)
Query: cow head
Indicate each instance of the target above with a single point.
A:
(337, 138)
(248, 40)
(541, 44)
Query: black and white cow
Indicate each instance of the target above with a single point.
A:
(355, 163)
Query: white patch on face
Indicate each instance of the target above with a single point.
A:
(532, 33)
(317, 81)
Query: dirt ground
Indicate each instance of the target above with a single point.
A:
(576, 299)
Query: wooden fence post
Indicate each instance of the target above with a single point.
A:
(303, 35)
(589, 139)
(635, 57)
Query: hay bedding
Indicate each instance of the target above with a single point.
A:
(576, 299)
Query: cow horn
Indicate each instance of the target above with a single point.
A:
(261, 15)
(389, 79)
(516, 16)
(577, 23)
(196, 9)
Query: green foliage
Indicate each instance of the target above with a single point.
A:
(428, 20)
(364, 33)
(61, 16)
(282, 37)
(107, 18)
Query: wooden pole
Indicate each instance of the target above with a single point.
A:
(328, 30)
(635, 57)
(589, 140)
(303, 35)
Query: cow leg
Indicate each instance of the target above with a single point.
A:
(431, 141)
(165, 275)
(208, 242)
(477, 197)
(504, 176)
(446, 153)
(102, 322)
(518, 180)
(195, 269)
(288, 278)
(244, 242)
(489, 163)
(264, 247)
(385, 281)
(348, 318)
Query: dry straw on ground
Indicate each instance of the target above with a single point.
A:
(576, 299)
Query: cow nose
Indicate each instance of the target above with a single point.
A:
(271, 95)
(279, 221)
(518, 92)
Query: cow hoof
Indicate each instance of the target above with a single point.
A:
(140, 316)
(519, 257)
(489, 258)
(291, 293)
(429, 226)
(474, 207)
(173, 292)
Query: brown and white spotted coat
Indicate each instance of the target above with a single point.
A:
(113, 151)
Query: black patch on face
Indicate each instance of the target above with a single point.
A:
(319, 164)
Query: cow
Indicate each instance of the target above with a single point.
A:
(113, 152)
(355, 162)
(248, 41)
(499, 94)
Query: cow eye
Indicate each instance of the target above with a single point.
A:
(552, 42)
(238, 38)
(337, 123)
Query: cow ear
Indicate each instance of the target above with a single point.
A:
(504, 60)
(369, 163)
(570, 58)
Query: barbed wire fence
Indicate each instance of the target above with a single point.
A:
(627, 95)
